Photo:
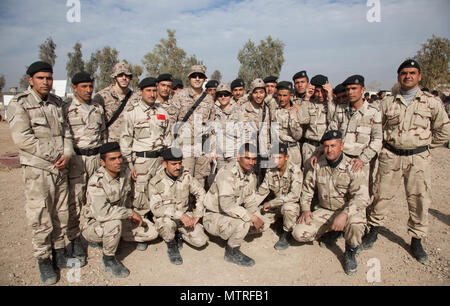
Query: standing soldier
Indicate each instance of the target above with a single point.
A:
(271, 85)
(177, 85)
(45, 146)
(211, 87)
(195, 113)
(232, 206)
(164, 84)
(168, 194)
(108, 216)
(146, 131)
(114, 98)
(340, 94)
(285, 181)
(238, 91)
(413, 123)
(87, 125)
(301, 82)
(343, 198)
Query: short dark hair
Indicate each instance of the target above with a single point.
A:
(247, 147)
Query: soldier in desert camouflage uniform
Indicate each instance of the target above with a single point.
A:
(108, 215)
(413, 123)
(301, 82)
(111, 98)
(238, 92)
(232, 206)
(343, 198)
(87, 125)
(45, 146)
(168, 194)
(164, 89)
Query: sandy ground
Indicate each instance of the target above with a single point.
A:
(306, 264)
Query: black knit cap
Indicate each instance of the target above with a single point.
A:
(330, 135)
(339, 88)
(212, 84)
(39, 67)
(354, 80)
(147, 82)
(164, 77)
(109, 147)
(82, 77)
(237, 83)
(319, 80)
(299, 75)
(409, 63)
(172, 154)
(284, 85)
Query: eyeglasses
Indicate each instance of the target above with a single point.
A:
(197, 75)
(220, 95)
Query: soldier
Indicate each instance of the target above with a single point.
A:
(87, 125)
(177, 85)
(195, 119)
(232, 206)
(146, 132)
(45, 146)
(381, 94)
(211, 87)
(343, 198)
(164, 88)
(301, 82)
(168, 194)
(413, 123)
(285, 182)
(340, 94)
(271, 85)
(238, 91)
(367, 96)
(114, 98)
(108, 215)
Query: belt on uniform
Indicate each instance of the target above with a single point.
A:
(149, 154)
(311, 142)
(290, 144)
(87, 152)
(403, 152)
(352, 156)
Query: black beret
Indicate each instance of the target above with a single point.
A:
(279, 148)
(164, 77)
(330, 135)
(109, 147)
(270, 79)
(410, 63)
(284, 85)
(237, 83)
(39, 67)
(319, 80)
(176, 83)
(172, 154)
(212, 83)
(82, 77)
(354, 79)
(299, 75)
(339, 88)
(147, 82)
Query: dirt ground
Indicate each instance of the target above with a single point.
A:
(306, 264)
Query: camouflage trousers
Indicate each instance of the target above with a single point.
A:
(414, 171)
(289, 212)
(110, 233)
(233, 230)
(46, 208)
(321, 224)
(81, 168)
(145, 169)
(167, 228)
(307, 152)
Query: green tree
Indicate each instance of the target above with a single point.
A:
(262, 60)
(47, 51)
(75, 61)
(101, 65)
(216, 75)
(167, 57)
(433, 57)
(23, 82)
(2, 82)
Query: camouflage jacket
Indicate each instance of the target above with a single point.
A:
(170, 198)
(39, 130)
(283, 125)
(338, 188)
(233, 193)
(226, 131)
(424, 122)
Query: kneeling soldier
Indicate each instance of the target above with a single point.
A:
(343, 198)
(108, 215)
(168, 193)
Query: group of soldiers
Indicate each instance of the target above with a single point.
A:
(229, 161)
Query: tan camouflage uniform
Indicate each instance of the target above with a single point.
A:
(169, 201)
(39, 131)
(87, 125)
(145, 128)
(190, 134)
(286, 191)
(106, 216)
(230, 204)
(339, 190)
(422, 123)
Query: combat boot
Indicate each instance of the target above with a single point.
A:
(369, 239)
(418, 252)
(61, 259)
(113, 266)
(350, 264)
(179, 238)
(173, 252)
(78, 251)
(283, 242)
(235, 255)
(141, 246)
(328, 239)
(48, 274)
